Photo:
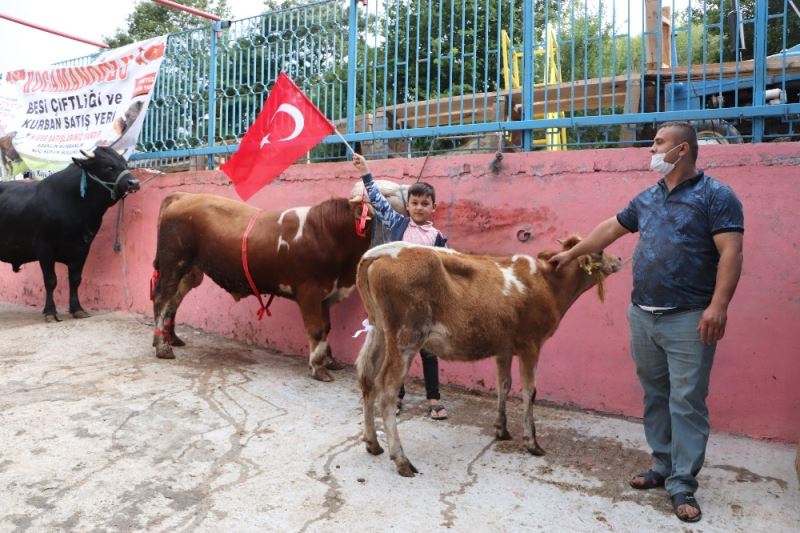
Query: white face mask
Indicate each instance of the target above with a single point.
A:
(657, 163)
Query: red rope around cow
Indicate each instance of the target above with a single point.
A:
(164, 332)
(361, 223)
(153, 280)
(264, 308)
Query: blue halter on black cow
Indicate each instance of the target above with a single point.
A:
(56, 219)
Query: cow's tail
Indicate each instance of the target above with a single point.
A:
(165, 203)
(370, 358)
(169, 200)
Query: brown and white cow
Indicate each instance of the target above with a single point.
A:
(306, 254)
(461, 308)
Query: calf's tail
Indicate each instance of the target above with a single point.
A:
(369, 361)
(370, 357)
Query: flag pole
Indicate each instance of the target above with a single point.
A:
(336, 130)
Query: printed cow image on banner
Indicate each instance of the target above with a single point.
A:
(49, 116)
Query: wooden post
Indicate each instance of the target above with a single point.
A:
(666, 36)
(627, 133)
(655, 57)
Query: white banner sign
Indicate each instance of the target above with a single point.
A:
(48, 116)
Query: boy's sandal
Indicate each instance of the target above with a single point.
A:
(435, 412)
(686, 498)
(652, 480)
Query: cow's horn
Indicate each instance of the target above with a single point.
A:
(87, 155)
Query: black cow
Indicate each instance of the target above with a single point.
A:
(56, 219)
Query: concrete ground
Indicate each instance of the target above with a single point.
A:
(96, 434)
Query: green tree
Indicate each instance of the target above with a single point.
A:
(442, 48)
(782, 32)
(585, 44)
(178, 113)
(307, 41)
(151, 20)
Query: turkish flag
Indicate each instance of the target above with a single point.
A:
(288, 126)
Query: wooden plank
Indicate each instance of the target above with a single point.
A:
(727, 70)
(486, 107)
(594, 94)
(465, 109)
(589, 96)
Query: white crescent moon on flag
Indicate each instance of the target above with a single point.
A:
(297, 116)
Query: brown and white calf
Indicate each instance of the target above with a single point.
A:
(306, 254)
(462, 308)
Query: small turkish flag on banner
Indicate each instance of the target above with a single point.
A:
(288, 126)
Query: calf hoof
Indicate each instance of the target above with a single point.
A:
(535, 450)
(51, 317)
(320, 374)
(406, 469)
(333, 364)
(502, 434)
(174, 340)
(164, 352)
(80, 313)
(374, 448)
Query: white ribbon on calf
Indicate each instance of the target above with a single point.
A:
(367, 327)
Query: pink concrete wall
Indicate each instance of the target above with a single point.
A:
(754, 387)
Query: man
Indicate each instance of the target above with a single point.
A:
(685, 270)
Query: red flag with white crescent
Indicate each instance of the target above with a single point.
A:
(288, 126)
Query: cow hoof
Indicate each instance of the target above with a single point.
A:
(406, 469)
(536, 450)
(80, 313)
(374, 448)
(333, 364)
(503, 434)
(174, 340)
(51, 317)
(164, 352)
(320, 374)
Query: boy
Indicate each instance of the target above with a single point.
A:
(418, 229)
